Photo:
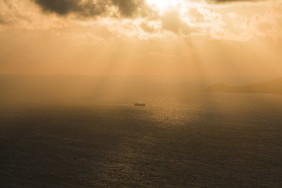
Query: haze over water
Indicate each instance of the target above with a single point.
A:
(54, 135)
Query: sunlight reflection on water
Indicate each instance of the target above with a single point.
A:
(211, 140)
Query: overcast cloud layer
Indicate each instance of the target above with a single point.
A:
(237, 20)
(90, 8)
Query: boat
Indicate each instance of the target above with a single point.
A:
(139, 104)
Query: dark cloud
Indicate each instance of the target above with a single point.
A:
(128, 7)
(90, 8)
(65, 7)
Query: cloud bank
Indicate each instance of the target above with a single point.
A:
(220, 20)
(90, 8)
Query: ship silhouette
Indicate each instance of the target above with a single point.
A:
(139, 104)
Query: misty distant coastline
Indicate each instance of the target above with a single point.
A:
(267, 87)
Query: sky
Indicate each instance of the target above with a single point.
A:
(141, 37)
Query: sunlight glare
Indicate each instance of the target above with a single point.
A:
(162, 5)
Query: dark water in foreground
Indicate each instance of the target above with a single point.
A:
(219, 140)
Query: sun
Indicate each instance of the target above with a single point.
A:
(163, 5)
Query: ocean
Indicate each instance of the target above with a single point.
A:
(58, 136)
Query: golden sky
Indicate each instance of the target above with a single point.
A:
(141, 37)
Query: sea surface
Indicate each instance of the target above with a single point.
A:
(195, 140)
